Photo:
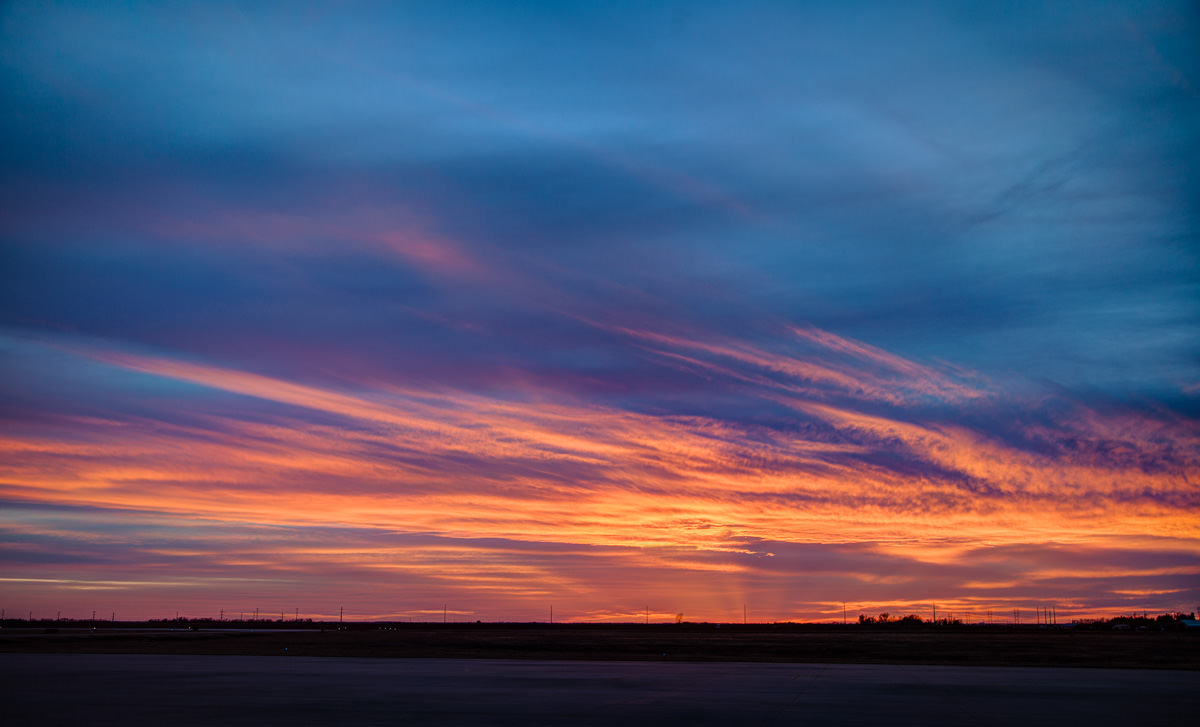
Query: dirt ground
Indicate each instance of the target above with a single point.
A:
(47, 690)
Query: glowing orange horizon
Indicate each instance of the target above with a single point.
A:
(693, 504)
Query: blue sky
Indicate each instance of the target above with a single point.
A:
(1008, 189)
(962, 218)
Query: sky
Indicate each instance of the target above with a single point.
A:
(626, 309)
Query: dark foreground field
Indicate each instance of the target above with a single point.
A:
(120, 689)
(696, 642)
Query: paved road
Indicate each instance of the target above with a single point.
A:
(104, 689)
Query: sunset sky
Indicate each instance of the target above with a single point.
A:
(616, 308)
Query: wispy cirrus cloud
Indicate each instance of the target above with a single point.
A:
(544, 469)
(788, 304)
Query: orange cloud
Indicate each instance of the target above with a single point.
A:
(664, 494)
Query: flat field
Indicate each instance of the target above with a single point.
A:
(973, 646)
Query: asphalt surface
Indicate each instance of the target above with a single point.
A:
(108, 689)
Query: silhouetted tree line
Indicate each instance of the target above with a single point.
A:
(1162, 622)
(911, 619)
